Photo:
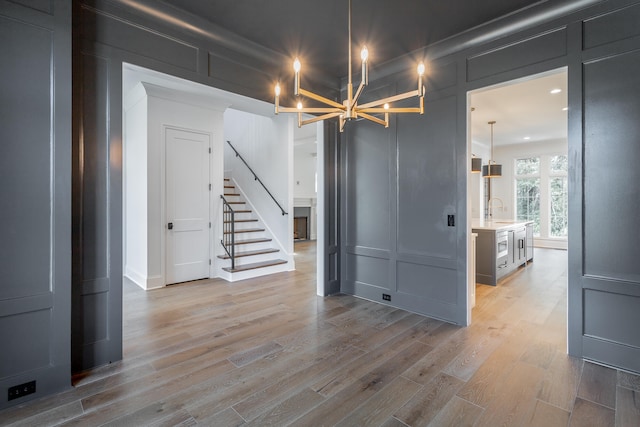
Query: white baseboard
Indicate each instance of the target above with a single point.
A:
(145, 283)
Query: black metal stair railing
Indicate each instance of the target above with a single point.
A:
(255, 177)
(228, 231)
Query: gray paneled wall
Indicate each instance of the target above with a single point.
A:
(405, 249)
(400, 186)
(609, 278)
(35, 207)
(97, 301)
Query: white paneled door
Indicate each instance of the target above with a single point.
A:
(187, 205)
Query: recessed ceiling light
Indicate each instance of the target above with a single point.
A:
(527, 138)
(554, 91)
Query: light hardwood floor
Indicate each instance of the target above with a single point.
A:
(268, 351)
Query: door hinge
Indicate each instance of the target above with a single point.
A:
(209, 261)
(209, 187)
(209, 225)
(209, 150)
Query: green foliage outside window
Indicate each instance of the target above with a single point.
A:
(528, 201)
(528, 204)
(530, 166)
(559, 197)
(528, 191)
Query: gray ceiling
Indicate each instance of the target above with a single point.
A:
(316, 31)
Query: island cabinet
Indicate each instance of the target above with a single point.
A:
(529, 241)
(501, 248)
(519, 246)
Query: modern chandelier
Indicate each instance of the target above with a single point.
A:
(350, 109)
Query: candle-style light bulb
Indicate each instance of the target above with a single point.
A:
(299, 106)
(364, 55)
(386, 115)
(277, 91)
(421, 69)
(296, 80)
(420, 74)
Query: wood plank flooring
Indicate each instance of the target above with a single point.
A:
(269, 352)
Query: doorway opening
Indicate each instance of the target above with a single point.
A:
(305, 194)
(209, 99)
(528, 139)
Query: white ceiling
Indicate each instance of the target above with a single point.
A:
(522, 108)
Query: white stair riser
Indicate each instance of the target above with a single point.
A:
(246, 236)
(240, 227)
(239, 216)
(253, 246)
(251, 259)
(249, 274)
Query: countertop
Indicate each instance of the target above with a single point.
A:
(497, 224)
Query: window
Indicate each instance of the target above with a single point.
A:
(542, 194)
(528, 191)
(558, 194)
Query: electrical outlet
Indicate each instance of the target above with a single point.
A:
(451, 220)
(386, 297)
(21, 390)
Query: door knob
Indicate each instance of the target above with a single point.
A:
(170, 226)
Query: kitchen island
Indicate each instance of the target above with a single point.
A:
(502, 246)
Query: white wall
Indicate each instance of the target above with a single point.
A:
(305, 166)
(266, 144)
(135, 185)
(476, 182)
(166, 108)
(304, 176)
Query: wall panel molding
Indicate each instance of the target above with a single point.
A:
(35, 255)
(540, 48)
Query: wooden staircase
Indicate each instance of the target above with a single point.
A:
(253, 250)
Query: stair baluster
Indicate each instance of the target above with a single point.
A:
(228, 235)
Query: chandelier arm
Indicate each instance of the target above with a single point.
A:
(320, 118)
(320, 98)
(373, 119)
(391, 99)
(311, 110)
(354, 101)
(389, 110)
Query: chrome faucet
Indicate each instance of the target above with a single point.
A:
(488, 213)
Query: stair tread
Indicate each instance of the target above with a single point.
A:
(236, 203)
(250, 253)
(247, 241)
(239, 211)
(255, 265)
(246, 230)
(232, 194)
(242, 220)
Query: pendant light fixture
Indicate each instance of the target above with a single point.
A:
(492, 170)
(349, 109)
